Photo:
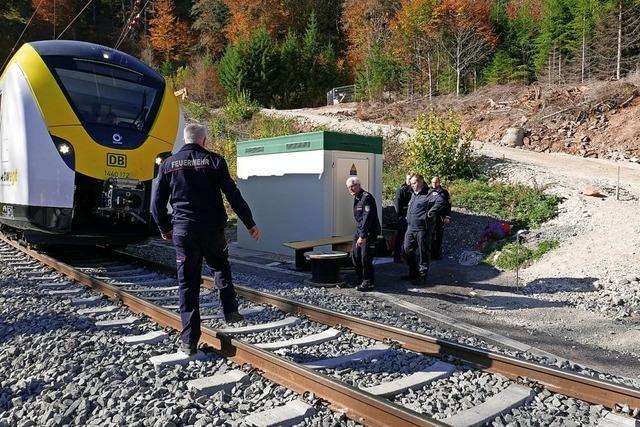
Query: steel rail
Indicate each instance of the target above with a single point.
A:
(575, 385)
(358, 405)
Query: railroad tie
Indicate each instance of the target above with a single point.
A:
(87, 301)
(358, 356)
(176, 306)
(513, 396)
(617, 420)
(288, 321)
(313, 339)
(207, 386)
(116, 323)
(415, 381)
(150, 289)
(54, 285)
(153, 337)
(294, 412)
(246, 312)
(179, 358)
(98, 310)
(49, 277)
(64, 292)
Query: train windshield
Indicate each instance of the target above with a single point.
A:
(105, 94)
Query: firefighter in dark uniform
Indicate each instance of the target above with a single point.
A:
(192, 181)
(365, 213)
(443, 216)
(420, 226)
(403, 195)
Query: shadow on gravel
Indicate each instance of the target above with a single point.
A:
(41, 324)
(552, 285)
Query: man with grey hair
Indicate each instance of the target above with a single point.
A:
(363, 247)
(192, 180)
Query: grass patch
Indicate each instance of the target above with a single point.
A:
(506, 259)
(195, 111)
(518, 204)
(267, 127)
(240, 107)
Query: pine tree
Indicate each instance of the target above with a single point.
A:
(211, 17)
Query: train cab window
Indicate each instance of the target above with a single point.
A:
(108, 100)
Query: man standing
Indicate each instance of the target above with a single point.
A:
(365, 213)
(192, 180)
(420, 226)
(442, 216)
(403, 195)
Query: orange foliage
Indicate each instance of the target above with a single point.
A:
(58, 13)
(456, 16)
(410, 23)
(518, 8)
(246, 15)
(168, 36)
(365, 22)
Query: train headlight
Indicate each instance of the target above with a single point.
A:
(64, 148)
(158, 160)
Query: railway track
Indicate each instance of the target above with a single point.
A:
(377, 374)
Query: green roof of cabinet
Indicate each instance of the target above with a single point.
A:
(310, 141)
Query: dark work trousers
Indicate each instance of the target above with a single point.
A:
(362, 258)
(436, 244)
(417, 245)
(192, 245)
(399, 242)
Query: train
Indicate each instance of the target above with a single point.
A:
(83, 130)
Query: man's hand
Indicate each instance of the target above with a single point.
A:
(254, 232)
(447, 220)
(168, 235)
(361, 242)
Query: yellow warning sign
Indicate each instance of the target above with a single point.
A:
(353, 171)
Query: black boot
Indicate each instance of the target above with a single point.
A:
(366, 285)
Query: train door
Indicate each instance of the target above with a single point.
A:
(344, 166)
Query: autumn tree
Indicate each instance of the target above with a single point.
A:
(414, 42)
(54, 15)
(466, 33)
(169, 37)
(210, 19)
(246, 15)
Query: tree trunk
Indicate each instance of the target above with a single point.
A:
(584, 42)
(430, 79)
(619, 56)
(458, 71)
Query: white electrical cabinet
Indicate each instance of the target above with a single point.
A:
(295, 185)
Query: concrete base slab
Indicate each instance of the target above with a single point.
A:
(365, 354)
(207, 386)
(246, 312)
(318, 338)
(98, 310)
(179, 358)
(618, 420)
(287, 415)
(87, 301)
(117, 322)
(289, 321)
(148, 338)
(513, 396)
(415, 381)
(63, 292)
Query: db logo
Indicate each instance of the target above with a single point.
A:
(117, 160)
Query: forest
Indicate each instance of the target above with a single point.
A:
(289, 53)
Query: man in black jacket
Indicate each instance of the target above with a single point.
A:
(420, 226)
(443, 216)
(192, 181)
(365, 213)
(403, 195)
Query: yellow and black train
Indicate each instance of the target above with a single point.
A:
(83, 129)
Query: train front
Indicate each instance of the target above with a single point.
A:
(112, 120)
